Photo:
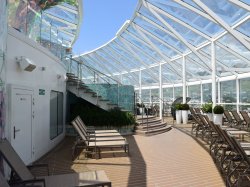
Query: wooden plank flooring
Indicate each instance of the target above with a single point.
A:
(171, 159)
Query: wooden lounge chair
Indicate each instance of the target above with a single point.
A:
(229, 119)
(246, 117)
(239, 122)
(3, 182)
(94, 178)
(98, 143)
(92, 130)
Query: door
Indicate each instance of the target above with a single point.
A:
(21, 122)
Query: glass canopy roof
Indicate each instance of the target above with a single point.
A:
(163, 35)
(55, 22)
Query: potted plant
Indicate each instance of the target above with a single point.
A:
(208, 110)
(184, 113)
(141, 107)
(218, 114)
(178, 108)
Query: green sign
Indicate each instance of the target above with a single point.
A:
(41, 92)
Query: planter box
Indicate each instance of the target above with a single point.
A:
(178, 116)
(184, 114)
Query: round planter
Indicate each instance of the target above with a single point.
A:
(184, 114)
(141, 111)
(210, 116)
(218, 119)
(178, 116)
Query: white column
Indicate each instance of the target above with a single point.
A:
(184, 85)
(140, 87)
(201, 90)
(237, 94)
(173, 93)
(160, 90)
(213, 65)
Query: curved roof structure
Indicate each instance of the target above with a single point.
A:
(163, 34)
(56, 22)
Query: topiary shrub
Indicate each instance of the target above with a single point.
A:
(185, 106)
(218, 109)
(207, 107)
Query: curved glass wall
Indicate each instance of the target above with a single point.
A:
(168, 43)
(54, 24)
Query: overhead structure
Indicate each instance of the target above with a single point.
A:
(162, 33)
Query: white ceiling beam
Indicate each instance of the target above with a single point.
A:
(153, 46)
(160, 40)
(186, 5)
(241, 4)
(97, 62)
(177, 35)
(110, 48)
(67, 9)
(179, 21)
(137, 57)
(233, 52)
(72, 25)
(219, 63)
(235, 33)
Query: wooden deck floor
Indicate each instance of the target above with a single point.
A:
(172, 159)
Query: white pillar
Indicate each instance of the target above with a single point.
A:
(140, 86)
(184, 85)
(237, 94)
(201, 90)
(173, 93)
(160, 90)
(213, 65)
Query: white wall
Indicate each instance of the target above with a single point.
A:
(19, 45)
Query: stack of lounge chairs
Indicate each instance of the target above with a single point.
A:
(228, 146)
(22, 175)
(93, 141)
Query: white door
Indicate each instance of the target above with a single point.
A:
(21, 123)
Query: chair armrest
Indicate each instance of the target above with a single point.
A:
(32, 181)
(33, 170)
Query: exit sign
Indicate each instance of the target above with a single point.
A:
(41, 92)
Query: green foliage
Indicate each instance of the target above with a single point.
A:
(218, 109)
(45, 4)
(95, 116)
(207, 107)
(178, 106)
(185, 106)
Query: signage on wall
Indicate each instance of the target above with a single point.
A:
(41, 92)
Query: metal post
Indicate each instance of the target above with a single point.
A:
(237, 94)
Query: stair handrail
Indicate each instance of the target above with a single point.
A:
(142, 104)
(163, 103)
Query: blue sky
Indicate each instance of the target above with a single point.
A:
(101, 20)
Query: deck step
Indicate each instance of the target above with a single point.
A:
(152, 126)
(154, 131)
(150, 118)
(149, 121)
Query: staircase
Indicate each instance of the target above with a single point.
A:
(151, 126)
(78, 88)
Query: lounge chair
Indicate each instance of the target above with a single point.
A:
(239, 122)
(92, 130)
(3, 182)
(97, 144)
(246, 118)
(93, 178)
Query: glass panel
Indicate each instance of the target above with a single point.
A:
(245, 90)
(60, 112)
(177, 92)
(244, 28)
(147, 76)
(145, 96)
(228, 11)
(168, 95)
(188, 16)
(53, 114)
(3, 37)
(246, 1)
(131, 79)
(155, 95)
(228, 91)
(194, 92)
(207, 93)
